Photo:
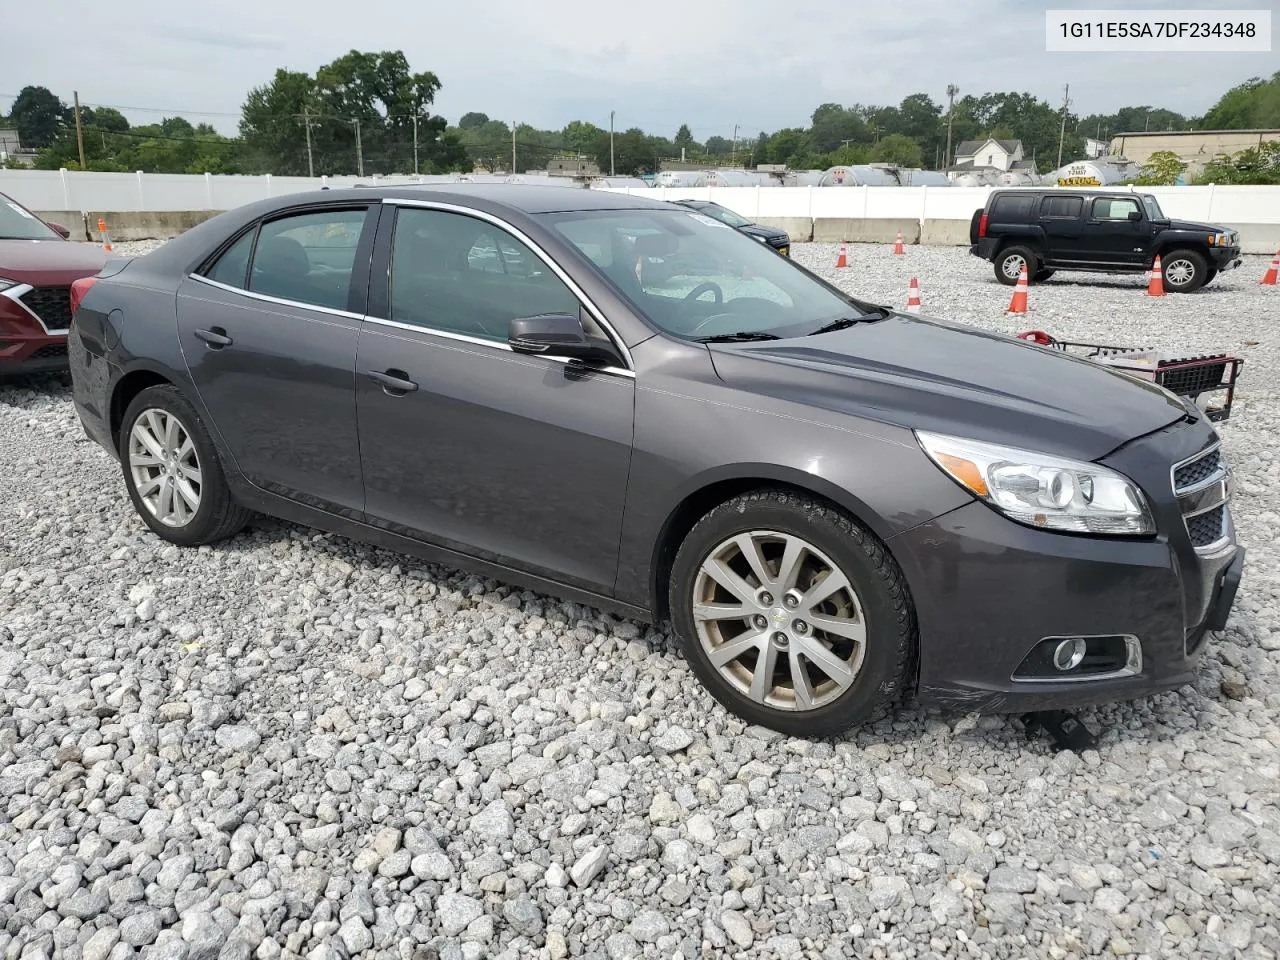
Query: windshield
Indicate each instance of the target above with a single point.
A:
(692, 276)
(724, 215)
(18, 223)
(1153, 208)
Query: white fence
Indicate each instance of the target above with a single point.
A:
(88, 191)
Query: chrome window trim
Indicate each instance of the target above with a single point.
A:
(279, 301)
(1132, 661)
(542, 255)
(22, 289)
(496, 344)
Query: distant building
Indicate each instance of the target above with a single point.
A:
(11, 148)
(572, 167)
(1195, 148)
(1002, 155)
(1094, 148)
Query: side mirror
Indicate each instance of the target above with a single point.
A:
(1134, 216)
(559, 335)
(60, 230)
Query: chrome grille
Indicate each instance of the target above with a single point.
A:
(1202, 485)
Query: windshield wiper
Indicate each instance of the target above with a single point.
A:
(841, 323)
(740, 337)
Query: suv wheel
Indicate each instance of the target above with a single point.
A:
(172, 471)
(1009, 263)
(791, 614)
(1184, 270)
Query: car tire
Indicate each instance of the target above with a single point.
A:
(172, 471)
(1042, 275)
(1009, 256)
(1184, 271)
(805, 541)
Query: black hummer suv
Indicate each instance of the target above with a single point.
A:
(1107, 231)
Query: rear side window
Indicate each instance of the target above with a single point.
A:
(1012, 206)
(1064, 207)
(1114, 208)
(308, 258)
(232, 268)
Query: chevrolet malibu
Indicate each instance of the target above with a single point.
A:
(631, 405)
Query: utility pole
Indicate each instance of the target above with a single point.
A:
(952, 90)
(513, 146)
(359, 151)
(79, 134)
(733, 154)
(1062, 132)
(415, 143)
(306, 119)
(611, 169)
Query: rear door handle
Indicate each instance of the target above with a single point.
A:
(217, 337)
(395, 383)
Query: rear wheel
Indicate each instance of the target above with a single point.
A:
(172, 471)
(791, 614)
(1184, 271)
(1010, 261)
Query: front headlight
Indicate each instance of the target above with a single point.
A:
(1040, 490)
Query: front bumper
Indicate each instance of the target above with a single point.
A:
(988, 591)
(1225, 258)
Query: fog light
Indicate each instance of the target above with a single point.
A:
(1069, 653)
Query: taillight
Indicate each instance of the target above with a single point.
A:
(982, 227)
(78, 289)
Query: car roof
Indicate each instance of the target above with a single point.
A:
(1071, 191)
(526, 198)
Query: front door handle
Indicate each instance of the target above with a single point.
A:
(395, 383)
(216, 338)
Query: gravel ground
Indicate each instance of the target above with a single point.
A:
(294, 745)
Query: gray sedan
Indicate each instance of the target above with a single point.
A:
(629, 404)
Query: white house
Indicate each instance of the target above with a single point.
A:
(1002, 155)
(1094, 148)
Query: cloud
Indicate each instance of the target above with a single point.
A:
(217, 38)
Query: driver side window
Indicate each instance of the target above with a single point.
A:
(460, 274)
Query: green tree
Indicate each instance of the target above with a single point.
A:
(719, 147)
(1254, 104)
(37, 114)
(831, 124)
(1162, 169)
(582, 138)
(684, 140)
(1257, 165)
(470, 120)
(897, 148)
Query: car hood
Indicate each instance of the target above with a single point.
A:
(1190, 226)
(921, 373)
(769, 233)
(45, 263)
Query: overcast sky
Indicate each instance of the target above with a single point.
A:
(760, 64)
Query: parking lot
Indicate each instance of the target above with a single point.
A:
(296, 745)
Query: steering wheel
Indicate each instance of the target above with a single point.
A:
(702, 288)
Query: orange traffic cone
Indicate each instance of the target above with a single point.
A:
(898, 248)
(842, 260)
(1155, 285)
(1019, 302)
(1269, 278)
(106, 237)
(913, 296)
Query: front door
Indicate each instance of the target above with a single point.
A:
(270, 341)
(516, 459)
(1110, 236)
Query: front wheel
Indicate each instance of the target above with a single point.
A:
(1184, 271)
(792, 615)
(172, 472)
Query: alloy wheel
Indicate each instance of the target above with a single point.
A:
(1012, 267)
(164, 467)
(779, 620)
(1179, 272)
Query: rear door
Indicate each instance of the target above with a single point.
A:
(1062, 220)
(516, 459)
(269, 333)
(1110, 236)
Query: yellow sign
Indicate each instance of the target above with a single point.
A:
(1079, 182)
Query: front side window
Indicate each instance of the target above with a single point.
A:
(460, 274)
(695, 277)
(1114, 208)
(308, 257)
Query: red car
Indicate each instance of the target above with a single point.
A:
(37, 265)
